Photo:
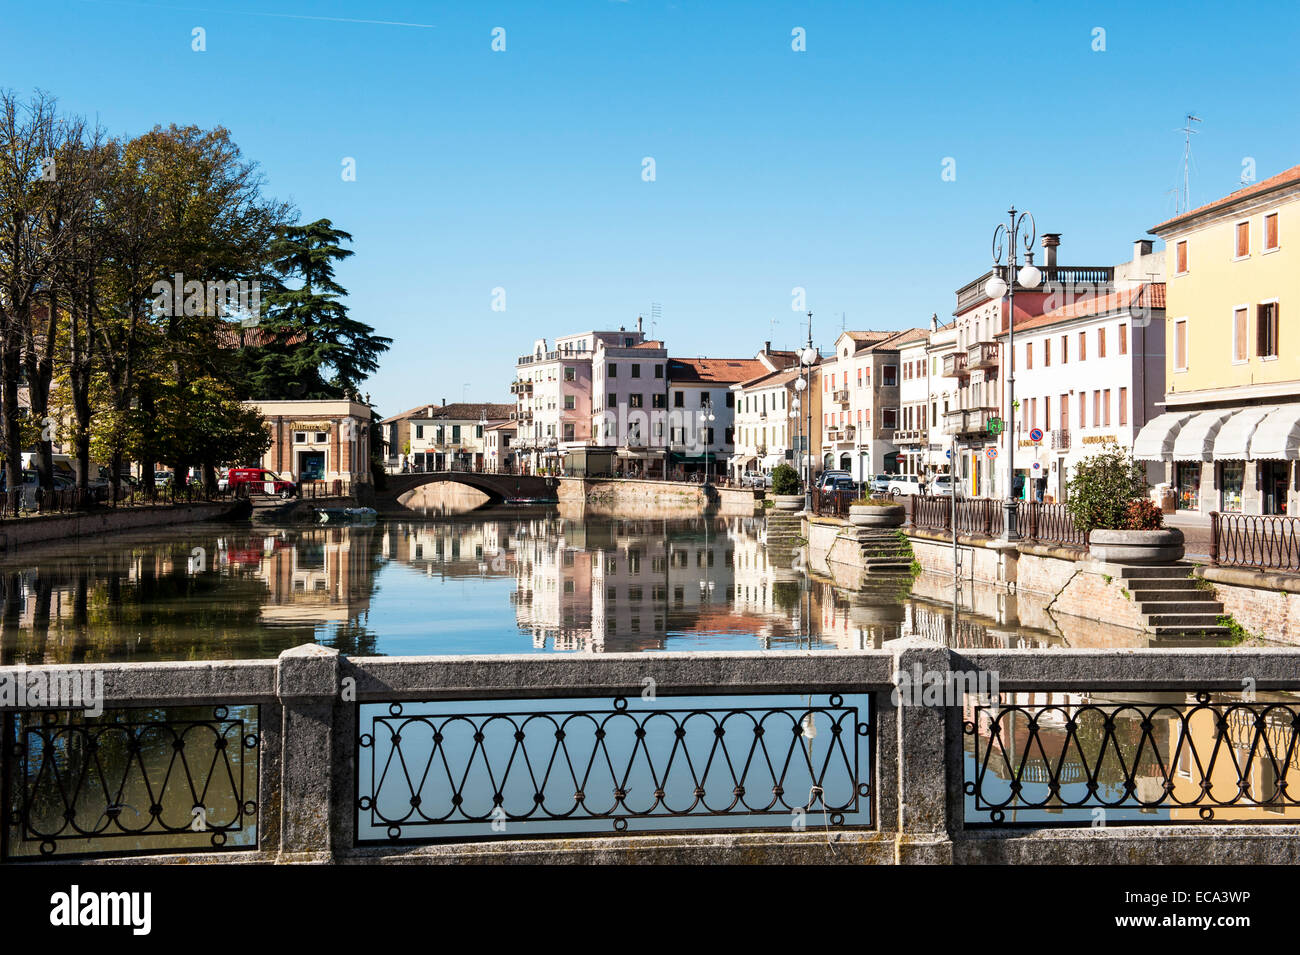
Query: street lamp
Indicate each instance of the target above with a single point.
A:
(1006, 238)
(706, 419)
(806, 359)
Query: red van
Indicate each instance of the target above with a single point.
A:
(258, 481)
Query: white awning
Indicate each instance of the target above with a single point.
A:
(1277, 437)
(1234, 438)
(1195, 440)
(1155, 442)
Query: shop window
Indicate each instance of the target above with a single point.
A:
(1232, 478)
(1187, 481)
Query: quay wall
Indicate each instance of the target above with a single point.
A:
(26, 531)
(630, 495)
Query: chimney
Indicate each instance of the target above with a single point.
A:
(767, 348)
(1050, 242)
(444, 402)
(1141, 247)
(934, 321)
(638, 323)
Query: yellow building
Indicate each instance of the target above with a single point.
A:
(1230, 434)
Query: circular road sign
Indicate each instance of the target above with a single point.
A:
(1036, 434)
(992, 452)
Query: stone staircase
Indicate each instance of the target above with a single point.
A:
(880, 549)
(1170, 601)
(784, 532)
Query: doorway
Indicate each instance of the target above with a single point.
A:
(1273, 479)
(311, 465)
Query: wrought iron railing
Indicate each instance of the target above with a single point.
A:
(1048, 523)
(1083, 762)
(1254, 540)
(431, 771)
(184, 778)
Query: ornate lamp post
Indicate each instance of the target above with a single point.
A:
(807, 358)
(706, 420)
(1006, 238)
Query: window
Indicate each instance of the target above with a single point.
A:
(1180, 258)
(1047, 352)
(568, 432)
(636, 371)
(1123, 407)
(1239, 352)
(613, 370)
(1101, 343)
(455, 434)
(658, 401)
(706, 399)
(300, 437)
(478, 431)
(1083, 409)
(635, 401)
(1083, 346)
(1270, 232)
(1065, 412)
(1029, 354)
(570, 374)
(419, 432)
(1266, 329)
(612, 401)
(731, 398)
(1105, 407)
(679, 399)
(1243, 239)
(659, 371)
(889, 416)
(891, 375)
(1065, 349)
(1123, 339)
(1096, 408)
(568, 403)
(1180, 345)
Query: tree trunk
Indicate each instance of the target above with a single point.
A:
(9, 369)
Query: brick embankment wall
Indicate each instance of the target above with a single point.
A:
(1265, 604)
(15, 534)
(619, 494)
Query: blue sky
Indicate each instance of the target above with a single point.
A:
(821, 169)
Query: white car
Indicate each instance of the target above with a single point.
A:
(941, 486)
(904, 484)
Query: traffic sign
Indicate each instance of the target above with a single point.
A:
(902, 456)
(1036, 465)
(992, 452)
(1036, 434)
(996, 425)
(948, 454)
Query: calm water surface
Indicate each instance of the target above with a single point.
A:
(484, 583)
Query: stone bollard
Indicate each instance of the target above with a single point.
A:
(307, 683)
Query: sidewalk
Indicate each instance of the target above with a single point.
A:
(1196, 530)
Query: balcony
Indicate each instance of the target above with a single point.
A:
(1058, 278)
(841, 395)
(521, 416)
(913, 436)
(954, 365)
(968, 420)
(521, 388)
(982, 355)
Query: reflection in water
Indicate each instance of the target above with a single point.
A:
(490, 582)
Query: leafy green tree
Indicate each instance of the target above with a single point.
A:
(1102, 487)
(785, 480)
(308, 346)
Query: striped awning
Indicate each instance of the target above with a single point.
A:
(1195, 439)
(1233, 442)
(1155, 442)
(1277, 437)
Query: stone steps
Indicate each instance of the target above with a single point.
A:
(1183, 621)
(1162, 594)
(1163, 572)
(1197, 607)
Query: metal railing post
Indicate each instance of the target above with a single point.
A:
(1214, 538)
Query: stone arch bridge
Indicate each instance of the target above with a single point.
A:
(497, 486)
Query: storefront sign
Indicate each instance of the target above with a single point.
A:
(1100, 439)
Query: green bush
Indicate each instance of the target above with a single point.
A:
(785, 480)
(1102, 488)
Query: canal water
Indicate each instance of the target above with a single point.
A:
(487, 582)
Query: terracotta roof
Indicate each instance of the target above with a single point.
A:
(460, 411)
(1147, 295)
(1290, 176)
(719, 370)
(772, 378)
(653, 343)
(504, 426)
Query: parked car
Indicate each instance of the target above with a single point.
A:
(826, 477)
(880, 484)
(755, 479)
(839, 484)
(941, 486)
(258, 481)
(904, 484)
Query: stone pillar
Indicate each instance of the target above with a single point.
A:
(307, 683)
(924, 799)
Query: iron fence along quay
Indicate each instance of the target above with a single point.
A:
(1263, 542)
(869, 756)
(984, 517)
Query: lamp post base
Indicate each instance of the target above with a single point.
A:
(1011, 523)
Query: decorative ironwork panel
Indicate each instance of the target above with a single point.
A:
(1088, 762)
(1253, 540)
(132, 780)
(471, 769)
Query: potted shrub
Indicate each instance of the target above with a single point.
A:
(787, 490)
(876, 512)
(1108, 500)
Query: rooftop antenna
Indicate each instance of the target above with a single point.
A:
(656, 313)
(842, 321)
(1187, 160)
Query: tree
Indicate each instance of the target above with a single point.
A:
(1102, 487)
(785, 480)
(307, 346)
